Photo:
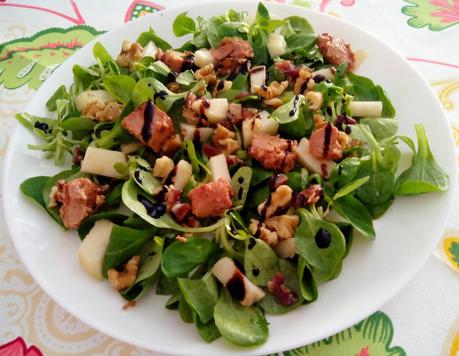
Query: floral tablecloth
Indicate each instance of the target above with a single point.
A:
(36, 36)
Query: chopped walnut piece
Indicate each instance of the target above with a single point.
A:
(207, 74)
(273, 90)
(130, 52)
(126, 278)
(191, 116)
(301, 83)
(314, 99)
(273, 103)
(174, 87)
(253, 226)
(284, 225)
(225, 140)
(319, 121)
(101, 111)
(280, 199)
(268, 236)
(129, 304)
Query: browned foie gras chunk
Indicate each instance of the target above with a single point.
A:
(211, 199)
(273, 152)
(336, 50)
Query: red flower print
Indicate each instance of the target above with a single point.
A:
(363, 352)
(18, 347)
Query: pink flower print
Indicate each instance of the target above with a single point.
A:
(17, 347)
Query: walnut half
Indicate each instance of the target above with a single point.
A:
(284, 225)
(126, 278)
(280, 199)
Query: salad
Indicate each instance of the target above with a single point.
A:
(232, 174)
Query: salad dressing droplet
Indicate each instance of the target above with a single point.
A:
(137, 176)
(220, 85)
(323, 238)
(295, 105)
(148, 116)
(172, 76)
(235, 285)
(162, 94)
(328, 132)
(43, 126)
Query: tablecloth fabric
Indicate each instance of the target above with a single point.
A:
(36, 36)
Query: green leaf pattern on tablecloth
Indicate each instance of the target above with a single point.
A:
(31, 60)
(436, 14)
(371, 337)
(139, 8)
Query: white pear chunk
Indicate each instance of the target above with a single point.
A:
(247, 132)
(257, 78)
(277, 45)
(307, 160)
(219, 168)
(366, 108)
(214, 109)
(217, 110)
(163, 167)
(183, 174)
(150, 50)
(101, 162)
(266, 126)
(261, 124)
(203, 57)
(190, 132)
(92, 249)
(285, 248)
(128, 148)
(328, 73)
(85, 98)
(225, 269)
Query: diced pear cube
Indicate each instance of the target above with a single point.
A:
(101, 162)
(277, 45)
(219, 168)
(92, 249)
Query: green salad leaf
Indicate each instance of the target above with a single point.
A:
(424, 175)
(242, 326)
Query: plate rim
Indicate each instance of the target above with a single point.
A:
(73, 310)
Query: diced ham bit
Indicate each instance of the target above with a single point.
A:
(343, 121)
(336, 50)
(232, 160)
(237, 113)
(288, 68)
(177, 61)
(153, 127)
(191, 221)
(311, 195)
(276, 180)
(211, 199)
(232, 53)
(210, 150)
(324, 143)
(79, 198)
(283, 293)
(77, 155)
(171, 197)
(181, 211)
(273, 152)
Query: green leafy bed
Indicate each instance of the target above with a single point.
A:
(361, 185)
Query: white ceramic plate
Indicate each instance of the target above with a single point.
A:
(372, 274)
